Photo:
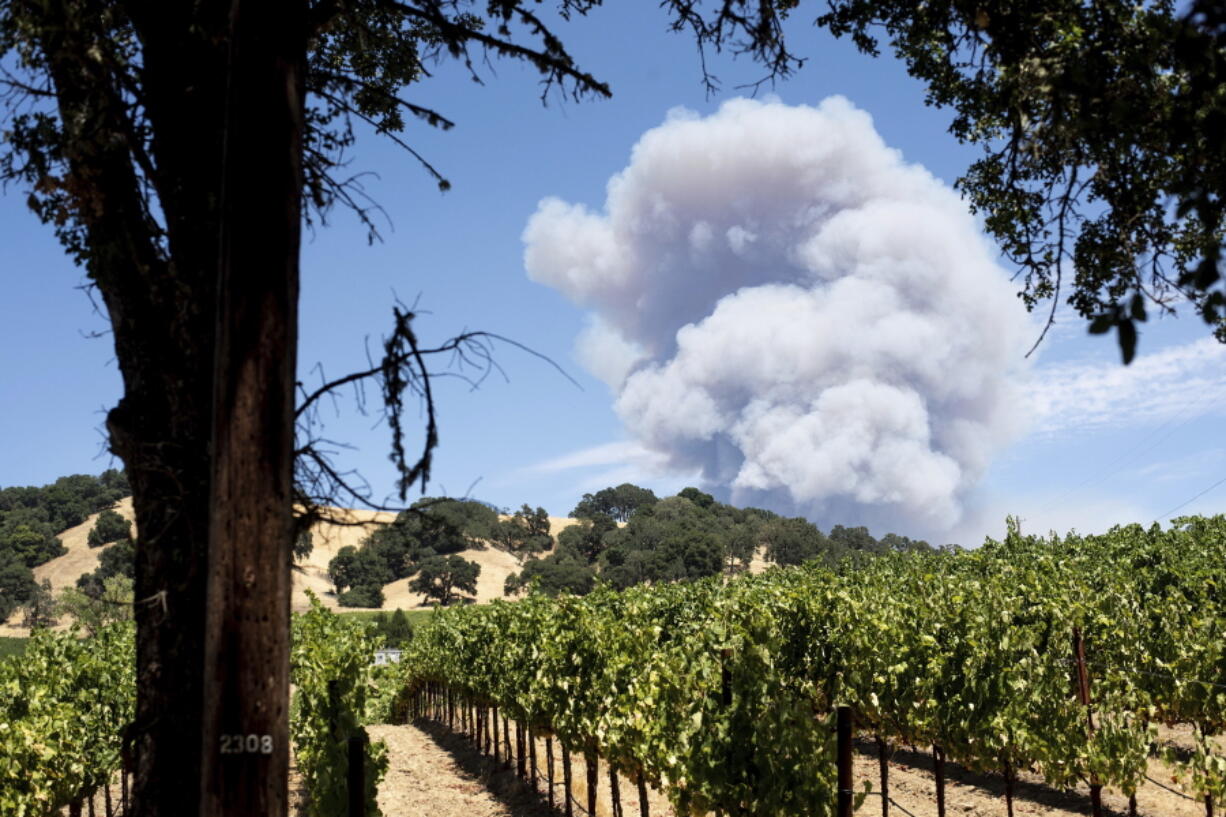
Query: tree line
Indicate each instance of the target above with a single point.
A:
(422, 545)
(687, 536)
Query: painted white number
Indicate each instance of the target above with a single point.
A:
(246, 744)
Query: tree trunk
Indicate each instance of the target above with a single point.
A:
(245, 760)
(159, 281)
(159, 294)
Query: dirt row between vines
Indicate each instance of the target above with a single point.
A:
(433, 772)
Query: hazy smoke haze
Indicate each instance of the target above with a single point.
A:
(779, 301)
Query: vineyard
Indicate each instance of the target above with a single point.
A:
(66, 703)
(1059, 657)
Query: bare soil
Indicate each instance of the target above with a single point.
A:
(433, 771)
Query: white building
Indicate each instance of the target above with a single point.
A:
(391, 656)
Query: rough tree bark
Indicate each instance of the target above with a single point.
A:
(247, 622)
(160, 305)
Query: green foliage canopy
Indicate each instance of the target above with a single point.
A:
(31, 518)
(118, 559)
(525, 532)
(395, 629)
(795, 541)
(563, 571)
(1103, 128)
(441, 577)
(16, 583)
(109, 527)
(618, 502)
(362, 595)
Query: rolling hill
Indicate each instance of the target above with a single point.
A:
(310, 574)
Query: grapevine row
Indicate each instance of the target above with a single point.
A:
(723, 694)
(64, 706)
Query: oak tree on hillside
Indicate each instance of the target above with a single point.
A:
(618, 502)
(441, 577)
(108, 527)
(40, 609)
(563, 571)
(526, 532)
(118, 559)
(16, 584)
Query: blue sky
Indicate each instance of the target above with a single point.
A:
(1097, 443)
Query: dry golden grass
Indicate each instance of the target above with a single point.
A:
(312, 574)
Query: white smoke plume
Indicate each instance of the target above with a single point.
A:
(780, 301)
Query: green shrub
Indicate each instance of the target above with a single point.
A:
(109, 527)
(364, 595)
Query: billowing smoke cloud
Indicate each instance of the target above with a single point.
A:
(780, 301)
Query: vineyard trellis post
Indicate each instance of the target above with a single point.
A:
(487, 742)
(592, 761)
(566, 780)
(614, 792)
(1008, 772)
(506, 741)
(549, 763)
(356, 779)
(1204, 732)
(1083, 695)
(497, 741)
(843, 745)
(938, 770)
(532, 757)
(883, 766)
(521, 765)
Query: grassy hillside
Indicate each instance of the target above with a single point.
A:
(311, 573)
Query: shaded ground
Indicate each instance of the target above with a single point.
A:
(433, 771)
